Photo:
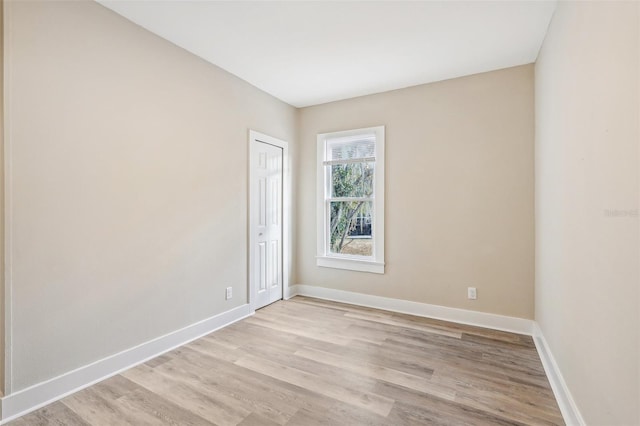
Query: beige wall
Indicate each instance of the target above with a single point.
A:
(128, 184)
(587, 259)
(459, 192)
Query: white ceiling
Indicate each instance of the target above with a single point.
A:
(312, 52)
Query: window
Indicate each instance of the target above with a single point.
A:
(351, 200)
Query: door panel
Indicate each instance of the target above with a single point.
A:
(262, 202)
(262, 267)
(274, 263)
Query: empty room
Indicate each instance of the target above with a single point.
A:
(320, 213)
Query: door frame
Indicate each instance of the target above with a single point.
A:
(257, 137)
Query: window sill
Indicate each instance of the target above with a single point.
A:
(351, 264)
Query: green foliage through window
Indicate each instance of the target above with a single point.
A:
(351, 219)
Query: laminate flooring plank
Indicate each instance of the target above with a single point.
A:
(465, 382)
(474, 349)
(469, 330)
(360, 350)
(435, 359)
(56, 414)
(189, 395)
(305, 318)
(338, 414)
(96, 409)
(359, 398)
(254, 419)
(300, 331)
(115, 387)
(412, 405)
(406, 414)
(235, 387)
(257, 334)
(513, 341)
(274, 392)
(516, 407)
(160, 408)
(404, 324)
(214, 349)
(158, 360)
(543, 384)
(267, 339)
(335, 376)
(378, 372)
(321, 323)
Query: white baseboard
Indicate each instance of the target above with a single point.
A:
(290, 291)
(462, 316)
(568, 407)
(41, 394)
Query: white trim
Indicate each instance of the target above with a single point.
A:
(461, 316)
(352, 264)
(8, 199)
(375, 263)
(255, 136)
(41, 394)
(568, 407)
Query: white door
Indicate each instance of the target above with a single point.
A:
(265, 223)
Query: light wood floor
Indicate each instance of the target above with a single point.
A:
(312, 362)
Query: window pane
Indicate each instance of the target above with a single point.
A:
(352, 180)
(351, 228)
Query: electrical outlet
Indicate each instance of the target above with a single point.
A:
(229, 293)
(472, 293)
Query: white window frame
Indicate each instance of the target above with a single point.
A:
(325, 258)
